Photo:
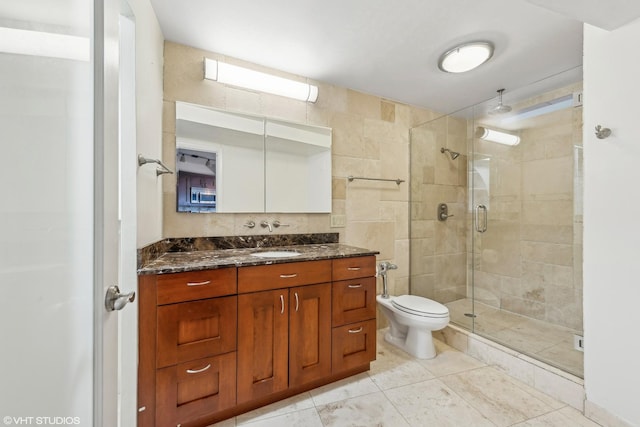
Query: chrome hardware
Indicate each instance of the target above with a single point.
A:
(197, 371)
(160, 170)
(206, 282)
(142, 409)
(297, 302)
(265, 224)
(602, 133)
(281, 304)
(277, 224)
(443, 212)
(288, 276)
(114, 300)
(355, 331)
(481, 228)
(382, 270)
(397, 181)
(353, 268)
(249, 224)
(355, 286)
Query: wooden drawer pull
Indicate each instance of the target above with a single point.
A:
(206, 282)
(359, 285)
(288, 276)
(197, 371)
(355, 331)
(353, 268)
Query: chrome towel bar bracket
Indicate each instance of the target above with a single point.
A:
(160, 170)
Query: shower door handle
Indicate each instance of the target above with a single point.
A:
(481, 228)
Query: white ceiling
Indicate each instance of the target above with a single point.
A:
(391, 49)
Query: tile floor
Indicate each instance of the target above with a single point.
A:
(453, 389)
(544, 341)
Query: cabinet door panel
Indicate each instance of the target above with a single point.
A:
(309, 333)
(353, 345)
(263, 331)
(197, 329)
(353, 300)
(195, 389)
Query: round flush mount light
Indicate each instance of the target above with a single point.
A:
(465, 57)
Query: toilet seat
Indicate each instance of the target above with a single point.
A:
(419, 306)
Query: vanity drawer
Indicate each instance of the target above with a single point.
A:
(353, 268)
(275, 276)
(195, 285)
(195, 389)
(353, 300)
(196, 329)
(353, 345)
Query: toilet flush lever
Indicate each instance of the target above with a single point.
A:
(443, 212)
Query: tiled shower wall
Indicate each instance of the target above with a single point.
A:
(370, 139)
(438, 248)
(529, 261)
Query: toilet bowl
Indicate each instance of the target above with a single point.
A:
(411, 320)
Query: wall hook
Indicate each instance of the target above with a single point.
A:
(602, 133)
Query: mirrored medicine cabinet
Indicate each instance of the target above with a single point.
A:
(237, 163)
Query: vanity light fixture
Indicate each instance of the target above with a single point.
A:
(465, 57)
(497, 136)
(256, 80)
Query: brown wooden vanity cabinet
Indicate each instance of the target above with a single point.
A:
(281, 331)
(354, 312)
(187, 346)
(219, 342)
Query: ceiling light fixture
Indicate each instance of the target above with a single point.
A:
(497, 136)
(256, 80)
(465, 57)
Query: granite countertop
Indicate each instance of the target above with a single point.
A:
(175, 262)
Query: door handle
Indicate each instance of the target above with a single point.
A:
(481, 228)
(114, 300)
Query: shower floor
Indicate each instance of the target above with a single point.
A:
(544, 341)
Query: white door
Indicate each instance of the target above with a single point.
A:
(58, 211)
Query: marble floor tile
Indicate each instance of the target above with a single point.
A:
(286, 406)
(433, 403)
(370, 410)
(566, 417)
(394, 369)
(357, 385)
(498, 397)
(303, 418)
(449, 361)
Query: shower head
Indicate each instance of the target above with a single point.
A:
(454, 155)
(500, 108)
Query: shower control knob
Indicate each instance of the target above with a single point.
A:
(443, 212)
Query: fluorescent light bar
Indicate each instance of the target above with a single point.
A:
(52, 45)
(497, 136)
(540, 109)
(255, 80)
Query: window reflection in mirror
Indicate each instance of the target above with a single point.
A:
(196, 180)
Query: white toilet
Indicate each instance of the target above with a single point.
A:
(411, 320)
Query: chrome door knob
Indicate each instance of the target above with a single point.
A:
(114, 300)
